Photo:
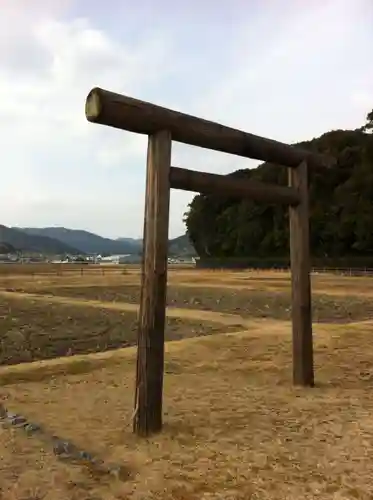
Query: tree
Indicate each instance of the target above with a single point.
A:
(341, 208)
(369, 124)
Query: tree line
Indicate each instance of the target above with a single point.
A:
(341, 208)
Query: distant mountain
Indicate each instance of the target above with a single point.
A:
(131, 241)
(177, 246)
(88, 242)
(6, 248)
(181, 246)
(23, 241)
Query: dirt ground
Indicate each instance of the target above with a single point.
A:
(247, 294)
(31, 330)
(235, 428)
(247, 303)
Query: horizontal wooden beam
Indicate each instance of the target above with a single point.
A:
(202, 182)
(126, 113)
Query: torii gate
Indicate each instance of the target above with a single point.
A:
(163, 126)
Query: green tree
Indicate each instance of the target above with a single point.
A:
(369, 123)
(341, 206)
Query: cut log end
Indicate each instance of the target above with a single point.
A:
(93, 105)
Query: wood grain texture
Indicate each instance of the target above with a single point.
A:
(206, 183)
(150, 353)
(303, 370)
(126, 113)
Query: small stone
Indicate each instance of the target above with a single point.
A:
(84, 455)
(30, 428)
(61, 448)
(119, 472)
(18, 420)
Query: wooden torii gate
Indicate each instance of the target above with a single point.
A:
(163, 126)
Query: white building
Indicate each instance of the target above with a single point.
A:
(121, 259)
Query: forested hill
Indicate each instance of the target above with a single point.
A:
(341, 207)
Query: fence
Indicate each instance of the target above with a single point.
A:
(36, 270)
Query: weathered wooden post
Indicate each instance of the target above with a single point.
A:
(152, 314)
(303, 372)
(163, 125)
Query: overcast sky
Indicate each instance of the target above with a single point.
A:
(285, 69)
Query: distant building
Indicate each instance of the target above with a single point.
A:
(5, 258)
(182, 260)
(121, 259)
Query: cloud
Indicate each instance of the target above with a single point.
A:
(288, 70)
(53, 157)
(318, 51)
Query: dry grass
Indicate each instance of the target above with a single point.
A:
(234, 426)
(39, 327)
(247, 303)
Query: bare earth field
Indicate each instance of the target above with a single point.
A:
(32, 330)
(235, 428)
(262, 303)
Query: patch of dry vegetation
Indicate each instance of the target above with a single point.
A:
(31, 330)
(256, 303)
(235, 428)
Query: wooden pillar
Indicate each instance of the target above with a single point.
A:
(303, 371)
(152, 314)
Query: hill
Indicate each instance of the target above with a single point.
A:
(181, 246)
(131, 241)
(6, 248)
(22, 241)
(88, 242)
(341, 207)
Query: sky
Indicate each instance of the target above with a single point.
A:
(285, 69)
